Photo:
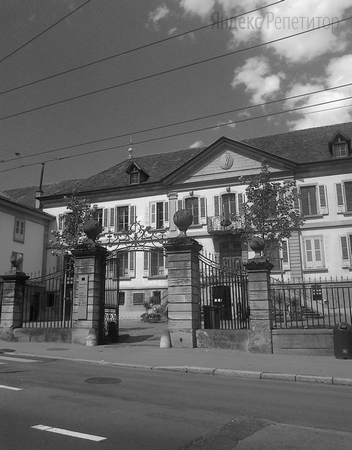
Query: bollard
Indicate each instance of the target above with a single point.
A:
(165, 341)
(91, 340)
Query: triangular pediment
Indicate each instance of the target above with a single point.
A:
(228, 159)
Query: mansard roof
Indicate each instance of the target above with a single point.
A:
(308, 146)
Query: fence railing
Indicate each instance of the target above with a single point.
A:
(48, 301)
(318, 303)
(224, 298)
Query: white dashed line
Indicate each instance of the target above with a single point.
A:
(9, 387)
(89, 437)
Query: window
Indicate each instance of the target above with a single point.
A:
(125, 217)
(227, 205)
(134, 177)
(138, 298)
(313, 252)
(313, 200)
(346, 250)
(121, 298)
(109, 219)
(159, 214)
(126, 264)
(344, 196)
(155, 264)
(197, 206)
(98, 216)
(340, 150)
(19, 230)
(192, 205)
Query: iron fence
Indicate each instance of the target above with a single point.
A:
(318, 303)
(224, 297)
(48, 300)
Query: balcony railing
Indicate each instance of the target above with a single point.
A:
(220, 224)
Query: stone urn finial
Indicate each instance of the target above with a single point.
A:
(16, 260)
(92, 229)
(183, 219)
(257, 244)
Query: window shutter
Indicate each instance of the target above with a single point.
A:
(216, 206)
(295, 198)
(318, 252)
(105, 218)
(166, 264)
(323, 200)
(112, 218)
(60, 221)
(146, 264)
(240, 204)
(132, 214)
(152, 215)
(179, 205)
(345, 252)
(285, 255)
(339, 197)
(132, 263)
(309, 253)
(203, 210)
(166, 214)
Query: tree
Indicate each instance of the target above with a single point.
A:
(271, 209)
(72, 234)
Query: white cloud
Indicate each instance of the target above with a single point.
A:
(160, 13)
(229, 124)
(338, 72)
(256, 76)
(197, 144)
(202, 8)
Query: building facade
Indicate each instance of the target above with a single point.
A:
(207, 181)
(24, 233)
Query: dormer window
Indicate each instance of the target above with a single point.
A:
(136, 174)
(135, 177)
(340, 146)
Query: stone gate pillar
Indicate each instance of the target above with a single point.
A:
(88, 293)
(183, 287)
(258, 270)
(12, 300)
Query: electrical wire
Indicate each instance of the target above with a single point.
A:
(126, 52)
(183, 122)
(247, 119)
(44, 31)
(147, 77)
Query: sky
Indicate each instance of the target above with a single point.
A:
(173, 76)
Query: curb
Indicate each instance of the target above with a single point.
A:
(230, 373)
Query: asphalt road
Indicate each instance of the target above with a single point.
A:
(55, 404)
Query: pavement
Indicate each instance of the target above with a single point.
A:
(139, 348)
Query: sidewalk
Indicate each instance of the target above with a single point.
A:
(139, 347)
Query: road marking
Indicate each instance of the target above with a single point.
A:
(10, 358)
(89, 437)
(9, 387)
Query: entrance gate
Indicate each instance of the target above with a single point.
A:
(224, 296)
(136, 238)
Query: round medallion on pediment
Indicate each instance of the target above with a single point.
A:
(226, 161)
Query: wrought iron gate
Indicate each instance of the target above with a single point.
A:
(48, 300)
(224, 296)
(111, 300)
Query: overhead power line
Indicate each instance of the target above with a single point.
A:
(145, 141)
(214, 58)
(44, 31)
(183, 122)
(141, 47)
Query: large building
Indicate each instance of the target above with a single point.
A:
(150, 189)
